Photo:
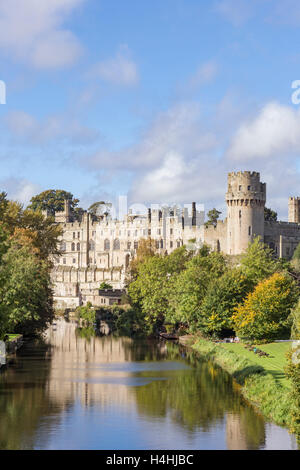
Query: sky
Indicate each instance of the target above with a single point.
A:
(155, 100)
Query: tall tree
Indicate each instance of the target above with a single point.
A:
(270, 215)
(213, 216)
(52, 200)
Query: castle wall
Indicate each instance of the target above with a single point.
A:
(93, 252)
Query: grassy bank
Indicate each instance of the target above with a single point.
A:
(262, 380)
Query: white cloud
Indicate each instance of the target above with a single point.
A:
(205, 73)
(119, 70)
(20, 190)
(32, 31)
(275, 131)
(237, 12)
(54, 128)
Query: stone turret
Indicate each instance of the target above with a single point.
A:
(294, 210)
(246, 198)
(65, 215)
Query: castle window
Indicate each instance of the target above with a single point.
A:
(249, 231)
(171, 231)
(78, 246)
(249, 188)
(73, 247)
(171, 244)
(74, 234)
(149, 231)
(74, 260)
(78, 235)
(157, 244)
(240, 188)
(240, 214)
(136, 245)
(92, 245)
(161, 243)
(63, 246)
(64, 261)
(106, 245)
(178, 244)
(128, 245)
(116, 244)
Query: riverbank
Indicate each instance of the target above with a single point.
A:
(267, 390)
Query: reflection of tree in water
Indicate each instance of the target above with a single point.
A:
(23, 398)
(199, 398)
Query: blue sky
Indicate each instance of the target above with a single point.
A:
(157, 100)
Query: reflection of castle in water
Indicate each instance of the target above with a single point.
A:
(88, 369)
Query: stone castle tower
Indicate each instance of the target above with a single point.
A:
(294, 210)
(246, 198)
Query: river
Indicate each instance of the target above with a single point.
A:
(74, 390)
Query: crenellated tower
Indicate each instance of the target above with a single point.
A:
(246, 198)
(294, 210)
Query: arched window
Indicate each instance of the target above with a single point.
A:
(73, 247)
(116, 244)
(92, 245)
(106, 245)
(78, 246)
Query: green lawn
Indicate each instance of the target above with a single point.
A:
(274, 364)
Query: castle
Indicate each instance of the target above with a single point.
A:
(94, 251)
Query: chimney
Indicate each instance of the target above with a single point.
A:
(194, 214)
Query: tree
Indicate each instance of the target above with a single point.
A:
(213, 216)
(222, 297)
(295, 317)
(191, 285)
(270, 215)
(98, 209)
(258, 263)
(105, 286)
(53, 200)
(146, 249)
(148, 293)
(25, 294)
(265, 313)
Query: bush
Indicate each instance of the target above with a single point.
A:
(86, 313)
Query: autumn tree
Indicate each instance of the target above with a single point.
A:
(265, 313)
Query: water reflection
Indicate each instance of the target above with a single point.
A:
(77, 390)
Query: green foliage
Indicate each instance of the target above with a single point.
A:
(25, 294)
(86, 313)
(296, 259)
(105, 286)
(213, 216)
(270, 215)
(223, 295)
(293, 373)
(52, 200)
(190, 286)
(98, 209)
(295, 319)
(258, 386)
(265, 314)
(257, 263)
